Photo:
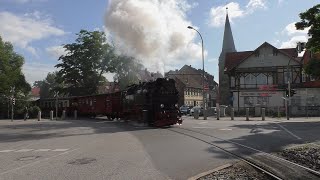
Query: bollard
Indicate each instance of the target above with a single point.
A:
(247, 114)
(232, 113)
(196, 114)
(51, 115)
(263, 113)
(204, 114)
(39, 116)
(218, 113)
(75, 114)
(63, 114)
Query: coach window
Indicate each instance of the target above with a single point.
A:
(90, 102)
(87, 101)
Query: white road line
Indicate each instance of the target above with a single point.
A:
(42, 150)
(204, 127)
(288, 131)
(36, 162)
(60, 150)
(24, 150)
(9, 150)
(225, 129)
(202, 122)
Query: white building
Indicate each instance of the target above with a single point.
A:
(259, 79)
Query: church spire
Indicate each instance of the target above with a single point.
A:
(228, 43)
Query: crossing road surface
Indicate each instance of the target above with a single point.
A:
(92, 149)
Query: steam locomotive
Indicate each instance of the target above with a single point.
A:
(153, 103)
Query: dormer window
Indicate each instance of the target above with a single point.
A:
(257, 53)
(275, 52)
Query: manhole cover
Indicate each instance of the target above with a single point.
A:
(82, 161)
(27, 158)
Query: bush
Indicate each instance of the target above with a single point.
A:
(33, 111)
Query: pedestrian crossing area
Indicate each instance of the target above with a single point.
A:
(32, 150)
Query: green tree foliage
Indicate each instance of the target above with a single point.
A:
(128, 70)
(313, 68)
(87, 59)
(49, 85)
(11, 76)
(311, 18)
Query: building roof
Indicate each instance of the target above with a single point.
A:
(234, 59)
(191, 77)
(35, 92)
(228, 43)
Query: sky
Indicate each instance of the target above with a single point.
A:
(153, 31)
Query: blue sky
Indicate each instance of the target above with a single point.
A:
(153, 31)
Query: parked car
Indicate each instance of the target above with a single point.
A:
(185, 109)
(196, 108)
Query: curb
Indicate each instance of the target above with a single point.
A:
(209, 172)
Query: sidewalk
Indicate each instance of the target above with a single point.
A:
(228, 118)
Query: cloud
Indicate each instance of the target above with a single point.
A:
(291, 29)
(292, 43)
(154, 31)
(56, 51)
(217, 14)
(294, 35)
(22, 30)
(36, 71)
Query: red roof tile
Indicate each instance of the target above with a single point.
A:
(234, 58)
(35, 91)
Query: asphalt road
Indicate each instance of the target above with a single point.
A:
(97, 149)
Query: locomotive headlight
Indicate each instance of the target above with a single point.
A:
(176, 105)
(162, 105)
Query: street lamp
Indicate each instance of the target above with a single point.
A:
(203, 95)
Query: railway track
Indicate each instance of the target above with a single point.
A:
(274, 166)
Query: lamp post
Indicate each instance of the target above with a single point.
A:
(203, 94)
(56, 94)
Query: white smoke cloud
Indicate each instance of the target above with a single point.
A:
(154, 31)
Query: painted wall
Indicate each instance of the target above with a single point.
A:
(266, 59)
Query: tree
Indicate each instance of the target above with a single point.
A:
(313, 68)
(311, 18)
(37, 84)
(11, 76)
(82, 68)
(128, 70)
(49, 85)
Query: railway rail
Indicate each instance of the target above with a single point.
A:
(305, 172)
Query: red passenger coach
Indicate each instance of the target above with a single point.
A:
(153, 103)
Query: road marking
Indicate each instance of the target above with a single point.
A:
(9, 150)
(36, 162)
(225, 129)
(24, 150)
(202, 122)
(288, 131)
(42, 150)
(60, 150)
(204, 127)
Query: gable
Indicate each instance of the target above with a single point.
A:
(267, 56)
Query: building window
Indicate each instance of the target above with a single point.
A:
(257, 53)
(232, 81)
(270, 79)
(303, 74)
(275, 52)
(262, 79)
(312, 78)
(286, 75)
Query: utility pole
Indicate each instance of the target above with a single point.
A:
(56, 94)
(12, 99)
(203, 74)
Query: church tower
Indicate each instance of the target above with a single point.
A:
(227, 46)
